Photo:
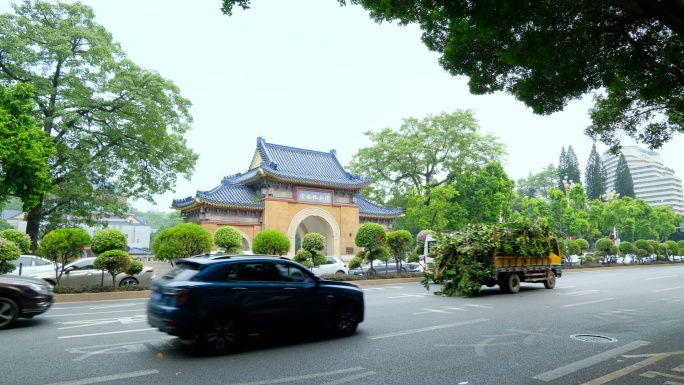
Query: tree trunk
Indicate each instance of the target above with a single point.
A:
(33, 224)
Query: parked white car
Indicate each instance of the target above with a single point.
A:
(27, 265)
(81, 272)
(334, 265)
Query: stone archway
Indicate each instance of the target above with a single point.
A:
(325, 217)
(246, 239)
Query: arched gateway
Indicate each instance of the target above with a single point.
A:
(292, 190)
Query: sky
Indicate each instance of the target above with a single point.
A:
(314, 75)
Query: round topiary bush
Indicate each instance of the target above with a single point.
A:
(272, 242)
(229, 239)
(108, 239)
(21, 239)
(9, 251)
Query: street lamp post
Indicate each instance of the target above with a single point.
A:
(568, 184)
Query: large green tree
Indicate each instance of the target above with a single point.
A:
(484, 197)
(24, 148)
(623, 179)
(538, 185)
(573, 168)
(547, 53)
(117, 128)
(562, 168)
(424, 154)
(594, 175)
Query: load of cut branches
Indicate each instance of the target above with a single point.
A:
(464, 260)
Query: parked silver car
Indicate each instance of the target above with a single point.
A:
(81, 272)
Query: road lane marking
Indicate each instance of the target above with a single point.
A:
(350, 378)
(671, 288)
(578, 293)
(589, 361)
(427, 329)
(112, 377)
(304, 377)
(650, 359)
(106, 333)
(587, 303)
(95, 307)
(667, 276)
(96, 322)
(101, 312)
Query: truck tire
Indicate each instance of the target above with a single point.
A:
(550, 282)
(513, 283)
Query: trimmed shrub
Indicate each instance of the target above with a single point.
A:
(229, 239)
(9, 251)
(108, 239)
(21, 239)
(272, 242)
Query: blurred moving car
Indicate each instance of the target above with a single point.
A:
(334, 265)
(22, 297)
(81, 272)
(216, 302)
(31, 264)
(381, 267)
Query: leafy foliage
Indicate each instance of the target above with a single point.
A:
(229, 239)
(271, 241)
(399, 244)
(180, 241)
(20, 238)
(117, 128)
(309, 255)
(372, 237)
(115, 261)
(62, 246)
(24, 148)
(4, 225)
(9, 251)
(108, 239)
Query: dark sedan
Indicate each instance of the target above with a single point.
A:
(23, 297)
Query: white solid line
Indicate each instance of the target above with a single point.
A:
(112, 377)
(667, 276)
(587, 303)
(92, 307)
(671, 288)
(100, 312)
(350, 378)
(427, 329)
(589, 361)
(304, 377)
(564, 287)
(104, 334)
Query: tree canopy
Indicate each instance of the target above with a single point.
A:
(624, 185)
(594, 175)
(547, 53)
(24, 148)
(117, 128)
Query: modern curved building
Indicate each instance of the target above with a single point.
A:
(656, 184)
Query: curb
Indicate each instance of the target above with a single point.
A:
(117, 295)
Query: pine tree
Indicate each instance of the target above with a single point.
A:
(573, 167)
(562, 168)
(623, 179)
(594, 176)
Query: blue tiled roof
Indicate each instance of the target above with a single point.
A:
(370, 209)
(295, 164)
(225, 194)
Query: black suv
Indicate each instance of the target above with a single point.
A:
(217, 300)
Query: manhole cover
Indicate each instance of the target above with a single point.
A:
(593, 338)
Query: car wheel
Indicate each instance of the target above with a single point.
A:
(128, 281)
(340, 272)
(403, 271)
(9, 311)
(550, 282)
(220, 334)
(346, 320)
(371, 273)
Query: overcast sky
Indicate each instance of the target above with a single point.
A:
(314, 75)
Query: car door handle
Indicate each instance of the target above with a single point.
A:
(290, 288)
(239, 288)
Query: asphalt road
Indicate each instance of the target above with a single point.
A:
(612, 326)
